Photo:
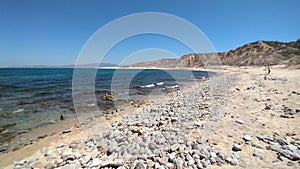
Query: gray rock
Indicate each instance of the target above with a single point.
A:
(213, 154)
(212, 160)
(203, 156)
(257, 152)
(22, 162)
(66, 154)
(262, 158)
(191, 162)
(112, 163)
(96, 162)
(85, 159)
(228, 159)
(199, 165)
(170, 165)
(139, 165)
(161, 167)
(112, 149)
(179, 162)
(201, 140)
(73, 146)
(290, 147)
(151, 146)
(32, 163)
(246, 137)
(172, 156)
(59, 161)
(44, 150)
(174, 147)
(282, 158)
(95, 153)
(295, 156)
(236, 147)
(189, 157)
(281, 140)
(234, 161)
(196, 156)
(239, 121)
(160, 141)
(145, 139)
(275, 147)
(77, 155)
(157, 165)
(75, 163)
(163, 160)
(220, 161)
(50, 154)
(156, 152)
(291, 163)
(49, 166)
(150, 164)
(221, 156)
(60, 145)
(204, 163)
(69, 166)
(18, 167)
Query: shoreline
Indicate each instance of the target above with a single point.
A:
(27, 136)
(230, 116)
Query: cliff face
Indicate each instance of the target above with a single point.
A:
(253, 54)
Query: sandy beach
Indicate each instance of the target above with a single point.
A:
(234, 120)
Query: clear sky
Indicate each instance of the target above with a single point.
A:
(52, 32)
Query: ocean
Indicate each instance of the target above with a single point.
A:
(33, 97)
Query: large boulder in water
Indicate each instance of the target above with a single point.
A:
(108, 97)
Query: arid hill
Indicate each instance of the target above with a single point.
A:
(253, 54)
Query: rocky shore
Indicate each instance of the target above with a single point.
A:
(234, 120)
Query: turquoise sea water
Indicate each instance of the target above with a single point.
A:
(36, 97)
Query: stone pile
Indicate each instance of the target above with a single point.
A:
(159, 137)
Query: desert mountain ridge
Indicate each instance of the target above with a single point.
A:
(258, 53)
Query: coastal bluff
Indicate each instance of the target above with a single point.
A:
(260, 53)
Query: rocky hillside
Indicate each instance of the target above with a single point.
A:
(253, 54)
(262, 53)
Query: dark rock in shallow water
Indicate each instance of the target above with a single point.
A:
(108, 97)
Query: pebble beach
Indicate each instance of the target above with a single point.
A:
(233, 120)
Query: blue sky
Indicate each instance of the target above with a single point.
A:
(52, 32)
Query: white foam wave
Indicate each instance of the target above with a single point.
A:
(159, 84)
(172, 87)
(148, 86)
